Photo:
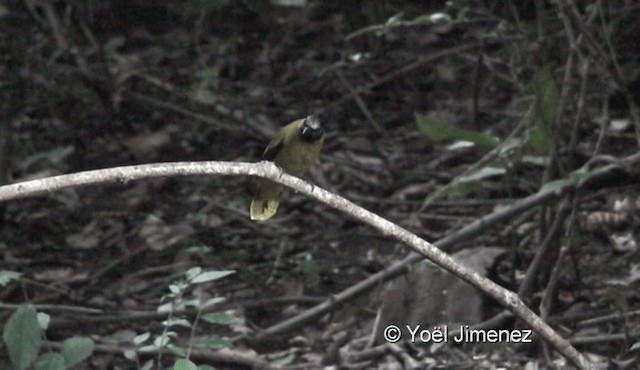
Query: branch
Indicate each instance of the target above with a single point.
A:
(270, 171)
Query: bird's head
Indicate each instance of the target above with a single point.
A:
(311, 129)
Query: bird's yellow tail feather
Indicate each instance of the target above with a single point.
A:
(263, 209)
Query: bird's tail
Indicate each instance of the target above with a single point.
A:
(263, 209)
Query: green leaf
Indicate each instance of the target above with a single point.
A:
(54, 156)
(130, 354)
(545, 108)
(536, 160)
(539, 139)
(482, 173)
(76, 350)
(464, 184)
(437, 131)
(8, 276)
(210, 276)
(213, 301)
(50, 361)
(580, 174)
(547, 96)
(148, 349)
(22, 336)
(310, 269)
(163, 339)
(141, 338)
(177, 351)
(43, 320)
(219, 318)
(147, 365)
(212, 342)
(176, 288)
(555, 185)
(184, 364)
(193, 272)
(115, 43)
(177, 322)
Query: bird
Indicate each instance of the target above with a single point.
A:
(294, 149)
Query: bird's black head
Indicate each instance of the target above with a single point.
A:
(311, 129)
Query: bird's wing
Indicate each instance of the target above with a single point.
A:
(272, 150)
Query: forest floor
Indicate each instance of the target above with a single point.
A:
(435, 117)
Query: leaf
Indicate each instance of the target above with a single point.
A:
(184, 364)
(213, 301)
(437, 131)
(310, 269)
(176, 288)
(482, 173)
(50, 361)
(460, 144)
(539, 139)
(177, 351)
(212, 342)
(130, 354)
(464, 184)
(43, 320)
(219, 318)
(22, 336)
(148, 349)
(76, 350)
(211, 275)
(139, 339)
(547, 96)
(545, 110)
(193, 272)
(555, 185)
(114, 44)
(457, 189)
(176, 322)
(164, 339)
(147, 365)
(54, 156)
(8, 276)
(536, 160)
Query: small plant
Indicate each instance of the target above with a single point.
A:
(177, 303)
(23, 335)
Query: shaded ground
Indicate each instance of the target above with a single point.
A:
(100, 85)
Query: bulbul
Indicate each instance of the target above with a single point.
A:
(295, 148)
